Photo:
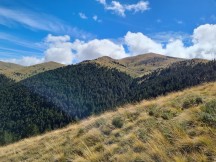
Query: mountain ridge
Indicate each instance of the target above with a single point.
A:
(24, 72)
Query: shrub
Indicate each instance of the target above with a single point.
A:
(80, 132)
(191, 101)
(166, 115)
(117, 122)
(208, 114)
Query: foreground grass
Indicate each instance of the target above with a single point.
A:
(178, 127)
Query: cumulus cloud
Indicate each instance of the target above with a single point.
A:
(139, 43)
(120, 9)
(203, 44)
(97, 48)
(61, 49)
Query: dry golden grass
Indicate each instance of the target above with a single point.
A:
(18, 73)
(156, 130)
(139, 65)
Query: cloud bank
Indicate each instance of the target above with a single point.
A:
(61, 49)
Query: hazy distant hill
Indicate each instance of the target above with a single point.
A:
(140, 65)
(5, 66)
(18, 73)
(179, 127)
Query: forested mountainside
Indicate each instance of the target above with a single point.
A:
(179, 127)
(24, 113)
(83, 89)
(54, 98)
(176, 77)
(5, 82)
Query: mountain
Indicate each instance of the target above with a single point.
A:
(20, 72)
(176, 77)
(57, 97)
(137, 66)
(177, 127)
(77, 91)
(4, 66)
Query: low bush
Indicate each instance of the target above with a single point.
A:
(117, 122)
(208, 114)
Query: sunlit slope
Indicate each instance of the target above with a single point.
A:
(21, 73)
(139, 65)
(177, 127)
(5, 66)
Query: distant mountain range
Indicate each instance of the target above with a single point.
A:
(47, 96)
(18, 72)
(135, 66)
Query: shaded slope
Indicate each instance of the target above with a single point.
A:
(157, 130)
(24, 113)
(176, 77)
(82, 89)
(5, 82)
(54, 98)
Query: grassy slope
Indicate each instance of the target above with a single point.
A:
(137, 66)
(25, 72)
(4, 66)
(168, 128)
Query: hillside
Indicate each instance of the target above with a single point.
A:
(22, 72)
(5, 82)
(54, 98)
(178, 127)
(140, 65)
(78, 91)
(5, 66)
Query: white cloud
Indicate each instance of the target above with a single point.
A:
(56, 39)
(59, 49)
(95, 18)
(202, 45)
(102, 2)
(120, 9)
(176, 48)
(139, 43)
(97, 48)
(204, 40)
(83, 16)
(139, 7)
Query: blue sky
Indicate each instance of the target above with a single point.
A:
(70, 31)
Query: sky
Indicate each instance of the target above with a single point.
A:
(71, 31)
